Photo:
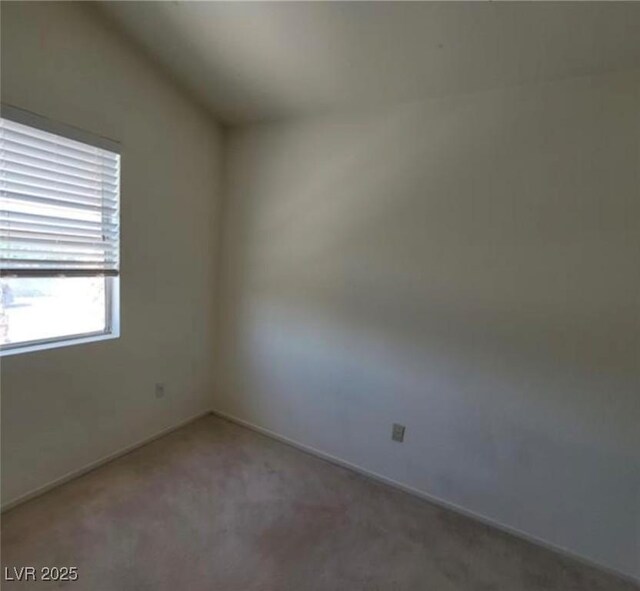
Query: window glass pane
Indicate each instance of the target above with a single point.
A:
(32, 309)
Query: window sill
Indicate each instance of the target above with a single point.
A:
(57, 344)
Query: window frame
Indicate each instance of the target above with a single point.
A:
(112, 328)
(112, 283)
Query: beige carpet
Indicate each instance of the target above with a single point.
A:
(216, 507)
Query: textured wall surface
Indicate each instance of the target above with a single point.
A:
(468, 268)
(65, 408)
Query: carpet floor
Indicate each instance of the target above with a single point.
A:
(216, 507)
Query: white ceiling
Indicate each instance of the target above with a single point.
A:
(250, 61)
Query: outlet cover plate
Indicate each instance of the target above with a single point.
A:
(397, 433)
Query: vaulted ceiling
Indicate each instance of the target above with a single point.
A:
(251, 61)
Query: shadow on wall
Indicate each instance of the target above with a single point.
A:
(468, 269)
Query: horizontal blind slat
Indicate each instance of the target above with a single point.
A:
(14, 149)
(14, 157)
(13, 216)
(47, 254)
(16, 263)
(50, 184)
(59, 147)
(17, 187)
(8, 197)
(32, 170)
(20, 228)
(59, 203)
(58, 272)
(36, 238)
(9, 126)
(19, 262)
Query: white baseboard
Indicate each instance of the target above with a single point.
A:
(93, 465)
(429, 497)
(334, 460)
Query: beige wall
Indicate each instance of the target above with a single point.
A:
(65, 408)
(468, 268)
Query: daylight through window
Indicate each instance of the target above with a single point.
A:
(59, 236)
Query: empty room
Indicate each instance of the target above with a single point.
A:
(326, 296)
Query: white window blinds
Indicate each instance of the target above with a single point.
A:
(59, 204)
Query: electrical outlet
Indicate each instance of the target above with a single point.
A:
(397, 433)
(160, 390)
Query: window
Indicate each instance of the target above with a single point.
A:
(59, 234)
